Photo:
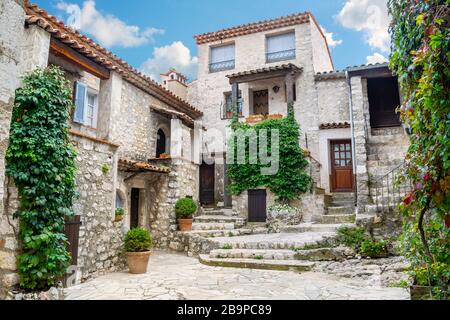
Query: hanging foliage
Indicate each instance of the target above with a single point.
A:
(290, 180)
(40, 160)
(420, 59)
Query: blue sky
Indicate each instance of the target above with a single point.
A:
(154, 35)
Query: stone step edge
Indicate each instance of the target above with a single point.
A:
(279, 265)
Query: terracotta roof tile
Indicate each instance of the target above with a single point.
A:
(138, 166)
(260, 26)
(283, 67)
(334, 125)
(97, 53)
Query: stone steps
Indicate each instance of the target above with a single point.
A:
(398, 139)
(312, 227)
(237, 221)
(320, 254)
(280, 265)
(338, 219)
(221, 233)
(341, 210)
(218, 212)
(212, 226)
(389, 148)
(388, 131)
(385, 163)
(386, 156)
(277, 241)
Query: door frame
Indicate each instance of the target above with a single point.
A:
(333, 182)
(254, 192)
(136, 213)
(200, 184)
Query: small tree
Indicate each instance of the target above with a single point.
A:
(420, 59)
(41, 161)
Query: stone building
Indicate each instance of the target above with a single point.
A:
(137, 143)
(350, 129)
(142, 145)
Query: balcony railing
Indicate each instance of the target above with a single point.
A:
(221, 66)
(280, 55)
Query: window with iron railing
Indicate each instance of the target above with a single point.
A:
(281, 47)
(222, 58)
(227, 106)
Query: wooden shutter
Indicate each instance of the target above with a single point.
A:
(80, 97)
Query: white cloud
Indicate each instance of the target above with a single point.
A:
(330, 40)
(108, 30)
(370, 17)
(175, 55)
(376, 58)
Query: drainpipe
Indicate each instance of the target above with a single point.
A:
(352, 126)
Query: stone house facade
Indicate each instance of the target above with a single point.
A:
(122, 118)
(349, 126)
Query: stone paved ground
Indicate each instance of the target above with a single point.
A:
(174, 276)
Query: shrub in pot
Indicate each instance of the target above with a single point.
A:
(119, 214)
(138, 243)
(185, 209)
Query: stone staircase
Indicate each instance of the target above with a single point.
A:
(341, 209)
(387, 148)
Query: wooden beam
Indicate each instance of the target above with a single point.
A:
(63, 51)
(259, 76)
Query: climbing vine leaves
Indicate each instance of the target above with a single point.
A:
(290, 180)
(41, 162)
(420, 59)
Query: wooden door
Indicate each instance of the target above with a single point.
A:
(72, 232)
(207, 184)
(384, 98)
(134, 210)
(261, 102)
(342, 166)
(257, 206)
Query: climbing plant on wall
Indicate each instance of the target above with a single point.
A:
(41, 162)
(290, 180)
(420, 59)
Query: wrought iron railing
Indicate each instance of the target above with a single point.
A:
(391, 189)
(280, 55)
(222, 66)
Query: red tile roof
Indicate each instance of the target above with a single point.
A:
(126, 165)
(334, 125)
(245, 29)
(105, 58)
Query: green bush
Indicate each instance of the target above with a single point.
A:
(373, 249)
(138, 240)
(185, 208)
(351, 237)
(41, 162)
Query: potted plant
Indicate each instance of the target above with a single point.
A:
(164, 156)
(119, 214)
(185, 209)
(138, 243)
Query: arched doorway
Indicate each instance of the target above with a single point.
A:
(161, 143)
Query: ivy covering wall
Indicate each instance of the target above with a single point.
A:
(291, 180)
(41, 162)
(420, 59)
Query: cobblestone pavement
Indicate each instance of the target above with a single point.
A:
(178, 277)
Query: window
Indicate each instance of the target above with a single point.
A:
(161, 143)
(222, 58)
(281, 47)
(86, 106)
(227, 112)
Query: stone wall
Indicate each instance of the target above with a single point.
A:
(310, 206)
(100, 237)
(12, 17)
(321, 55)
(332, 100)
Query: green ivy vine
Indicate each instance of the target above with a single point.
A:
(420, 58)
(41, 161)
(291, 180)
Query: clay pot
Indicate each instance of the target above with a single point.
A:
(185, 224)
(138, 262)
(118, 218)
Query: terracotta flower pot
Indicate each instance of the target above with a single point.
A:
(118, 218)
(185, 224)
(138, 262)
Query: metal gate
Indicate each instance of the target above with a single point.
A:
(72, 232)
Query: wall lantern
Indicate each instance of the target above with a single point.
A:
(276, 89)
